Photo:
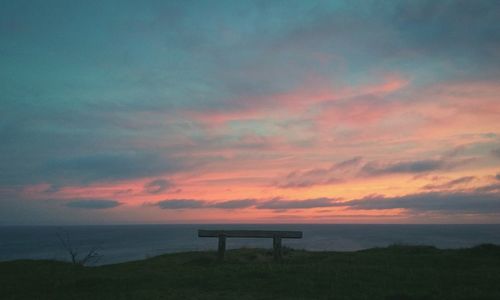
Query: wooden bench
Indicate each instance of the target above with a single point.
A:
(275, 235)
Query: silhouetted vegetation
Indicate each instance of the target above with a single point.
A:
(78, 256)
(395, 272)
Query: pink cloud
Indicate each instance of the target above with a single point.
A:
(313, 91)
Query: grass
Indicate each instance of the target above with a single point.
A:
(395, 272)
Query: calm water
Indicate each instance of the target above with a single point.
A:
(124, 243)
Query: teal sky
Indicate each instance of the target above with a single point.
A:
(110, 109)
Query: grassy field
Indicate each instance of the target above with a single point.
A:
(396, 272)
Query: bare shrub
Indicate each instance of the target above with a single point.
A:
(77, 255)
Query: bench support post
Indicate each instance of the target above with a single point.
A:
(277, 248)
(276, 235)
(222, 247)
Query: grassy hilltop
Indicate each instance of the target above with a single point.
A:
(396, 272)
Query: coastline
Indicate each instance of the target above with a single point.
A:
(394, 272)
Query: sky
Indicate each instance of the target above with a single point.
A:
(128, 112)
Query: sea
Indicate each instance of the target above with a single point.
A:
(121, 243)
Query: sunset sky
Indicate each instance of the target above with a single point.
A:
(125, 112)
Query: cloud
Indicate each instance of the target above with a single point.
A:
(93, 203)
(354, 168)
(450, 184)
(127, 110)
(495, 187)
(447, 161)
(347, 164)
(157, 186)
(194, 203)
(448, 202)
(496, 152)
(180, 204)
(310, 178)
(450, 29)
(361, 111)
(275, 204)
(319, 176)
(497, 176)
(53, 188)
(109, 166)
(234, 204)
(281, 204)
(418, 166)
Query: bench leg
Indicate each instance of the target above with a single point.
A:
(222, 247)
(277, 248)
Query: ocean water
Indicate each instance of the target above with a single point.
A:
(132, 242)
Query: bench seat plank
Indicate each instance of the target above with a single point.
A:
(250, 233)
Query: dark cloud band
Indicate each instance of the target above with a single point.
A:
(93, 204)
